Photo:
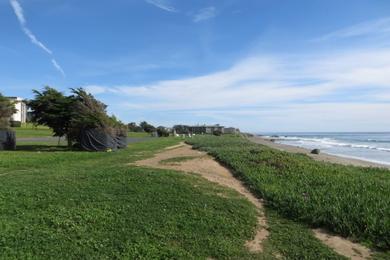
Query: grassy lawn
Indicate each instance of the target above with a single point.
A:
(56, 203)
(137, 134)
(351, 201)
(31, 131)
(66, 204)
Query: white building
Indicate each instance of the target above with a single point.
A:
(21, 113)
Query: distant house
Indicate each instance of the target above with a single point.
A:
(231, 130)
(21, 113)
(206, 129)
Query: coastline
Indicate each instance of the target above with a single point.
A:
(319, 157)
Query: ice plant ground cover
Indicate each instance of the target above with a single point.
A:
(351, 201)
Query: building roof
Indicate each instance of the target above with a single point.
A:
(16, 98)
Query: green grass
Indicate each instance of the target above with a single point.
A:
(56, 203)
(31, 131)
(293, 240)
(351, 201)
(138, 134)
(68, 204)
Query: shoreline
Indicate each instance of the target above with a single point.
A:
(324, 157)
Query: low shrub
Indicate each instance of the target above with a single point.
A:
(16, 124)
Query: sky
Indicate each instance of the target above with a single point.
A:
(260, 65)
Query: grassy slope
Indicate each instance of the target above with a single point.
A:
(351, 201)
(94, 205)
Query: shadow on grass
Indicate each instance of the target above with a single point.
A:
(43, 148)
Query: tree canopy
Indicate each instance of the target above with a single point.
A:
(133, 127)
(51, 108)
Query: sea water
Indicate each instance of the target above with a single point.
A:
(373, 147)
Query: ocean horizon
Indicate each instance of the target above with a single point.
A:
(367, 146)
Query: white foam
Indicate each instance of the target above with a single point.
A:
(328, 143)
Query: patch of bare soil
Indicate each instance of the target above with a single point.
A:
(343, 246)
(211, 170)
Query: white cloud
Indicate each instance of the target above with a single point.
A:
(379, 26)
(263, 81)
(22, 20)
(320, 117)
(162, 4)
(276, 89)
(205, 14)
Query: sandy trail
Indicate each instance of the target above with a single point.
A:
(211, 170)
(207, 167)
(343, 246)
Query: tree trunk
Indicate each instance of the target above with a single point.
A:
(69, 141)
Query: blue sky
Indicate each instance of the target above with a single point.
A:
(261, 65)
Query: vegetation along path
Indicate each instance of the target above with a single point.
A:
(348, 201)
(184, 158)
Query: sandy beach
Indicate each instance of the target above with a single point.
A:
(319, 157)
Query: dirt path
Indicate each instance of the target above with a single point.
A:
(343, 246)
(207, 167)
(203, 164)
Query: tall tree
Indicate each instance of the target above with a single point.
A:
(88, 111)
(51, 108)
(7, 109)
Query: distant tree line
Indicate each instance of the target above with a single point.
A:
(148, 128)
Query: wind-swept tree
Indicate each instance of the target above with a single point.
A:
(53, 109)
(7, 109)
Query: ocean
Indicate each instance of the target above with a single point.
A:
(373, 147)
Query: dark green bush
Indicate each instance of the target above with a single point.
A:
(16, 124)
(162, 132)
(217, 132)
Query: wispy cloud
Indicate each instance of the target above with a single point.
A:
(205, 14)
(374, 27)
(58, 67)
(22, 20)
(163, 4)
